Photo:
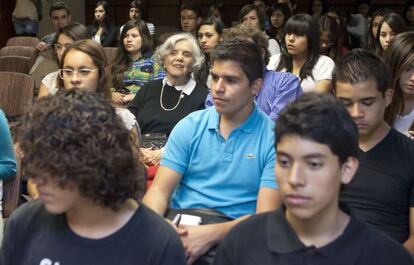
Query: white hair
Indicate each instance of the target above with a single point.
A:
(165, 49)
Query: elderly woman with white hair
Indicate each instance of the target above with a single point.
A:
(161, 104)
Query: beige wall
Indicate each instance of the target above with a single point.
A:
(77, 9)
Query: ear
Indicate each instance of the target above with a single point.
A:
(256, 86)
(348, 169)
(388, 95)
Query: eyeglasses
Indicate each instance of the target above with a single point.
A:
(82, 72)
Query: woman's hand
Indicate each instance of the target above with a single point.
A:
(151, 156)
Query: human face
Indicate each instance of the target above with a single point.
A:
(251, 20)
(366, 105)
(62, 43)
(309, 177)
(406, 81)
(188, 21)
(60, 18)
(386, 35)
(375, 23)
(363, 9)
(208, 38)
(79, 61)
(260, 4)
(296, 44)
(134, 13)
(231, 90)
(56, 199)
(179, 62)
(133, 42)
(277, 19)
(317, 7)
(100, 13)
(325, 42)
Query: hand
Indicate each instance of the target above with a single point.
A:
(129, 97)
(41, 46)
(197, 240)
(411, 134)
(151, 156)
(118, 98)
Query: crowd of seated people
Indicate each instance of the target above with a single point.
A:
(282, 136)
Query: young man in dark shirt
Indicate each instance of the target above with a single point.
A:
(86, 169)
(382, 192)
(314, 159)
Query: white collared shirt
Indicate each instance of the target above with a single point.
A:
(187, 88)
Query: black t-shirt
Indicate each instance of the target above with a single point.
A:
(35, 237)
(382, 190)
(152, 118)
(268, 238)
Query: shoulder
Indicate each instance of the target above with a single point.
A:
(28, 215)
(273, 62)
(127, 117)
(403, 144)
(384, 249)
(253, 229)
(324, 62)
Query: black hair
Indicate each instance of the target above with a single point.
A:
(320, 117)
(59, 5)
(301, 25)
(190, 6)
(77, 138)
(361, 65)
(247, 9)
(243, 52)
(284, 8)
(123, 59)
(379, 12)
(397, 25)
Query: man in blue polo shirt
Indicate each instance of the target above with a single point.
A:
(221, 158)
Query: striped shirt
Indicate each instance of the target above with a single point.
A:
(141, 72)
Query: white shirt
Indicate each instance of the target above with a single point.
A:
(321, 71)
(403, 123)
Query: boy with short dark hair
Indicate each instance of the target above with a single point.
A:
(314, 159)
(382, 193)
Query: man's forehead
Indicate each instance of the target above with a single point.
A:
(59, 12)
(227, 67)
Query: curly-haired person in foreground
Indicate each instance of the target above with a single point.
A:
(80, 156)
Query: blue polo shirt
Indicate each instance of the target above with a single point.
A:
(219, 174)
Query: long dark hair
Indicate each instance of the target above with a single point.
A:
(329, 25)
(397, 25)
(399, 56)
(123, 59)
(302, 25)
(272, 31)
(95, 23)
(378, 13)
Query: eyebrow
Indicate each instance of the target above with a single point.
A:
(361, 99)
(225, 76)
(308, 156)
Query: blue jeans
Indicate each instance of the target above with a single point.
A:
(25, 26)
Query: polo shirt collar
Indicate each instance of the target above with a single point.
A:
(345, 249)
(247, 126)
(187, 88)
